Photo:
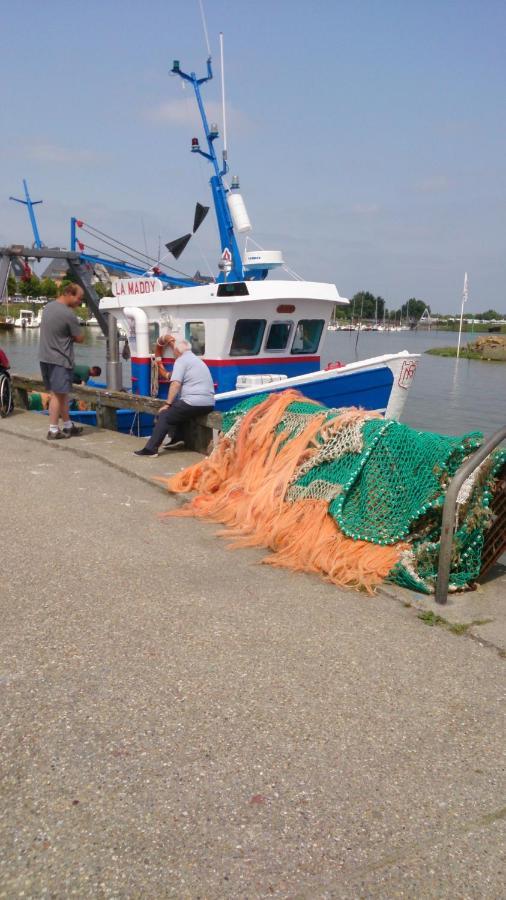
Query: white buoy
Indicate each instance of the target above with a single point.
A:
(238, 212)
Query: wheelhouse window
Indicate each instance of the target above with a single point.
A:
(307, 335)
(232, 289)
(278, 335)
(195, 333)
(247, 339)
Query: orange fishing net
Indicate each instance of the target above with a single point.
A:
(244, 483)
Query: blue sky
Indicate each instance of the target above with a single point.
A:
(370, 137)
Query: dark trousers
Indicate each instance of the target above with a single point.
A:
(170, 421)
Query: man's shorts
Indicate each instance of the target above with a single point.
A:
(57, 379)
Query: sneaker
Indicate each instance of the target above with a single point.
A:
(57, 436)
(146, 452)
(173, 445)
(73, 431)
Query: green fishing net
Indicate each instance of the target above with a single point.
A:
(385, 482)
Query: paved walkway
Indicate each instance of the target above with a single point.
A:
(177, 721)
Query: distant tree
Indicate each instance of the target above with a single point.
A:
(365, 305)
(380, 306)
(489, 314)
(103, 290)
(30, 287)
(341, 312)
(413, 309)
(12, 285)
(48, 288)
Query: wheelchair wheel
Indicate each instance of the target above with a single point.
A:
(6, 404)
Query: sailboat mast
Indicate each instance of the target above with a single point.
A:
(465, 294)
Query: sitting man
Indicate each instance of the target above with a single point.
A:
(84, 373)
(191, 394)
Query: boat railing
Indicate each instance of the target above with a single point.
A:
(449, 510)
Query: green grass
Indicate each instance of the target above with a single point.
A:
(432, 619)
(12, 309)
(464, 354)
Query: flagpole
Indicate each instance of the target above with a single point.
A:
(464, 299)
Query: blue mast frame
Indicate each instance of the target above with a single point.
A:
(29, 203)
(219, 191)
(123, 266)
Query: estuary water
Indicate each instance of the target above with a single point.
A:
(448, 395)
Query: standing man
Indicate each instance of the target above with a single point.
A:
(191, 394)
(59, 330)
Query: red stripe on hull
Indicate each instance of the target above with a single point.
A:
(239, 361)
(260, 361)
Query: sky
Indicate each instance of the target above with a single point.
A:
(369, 137)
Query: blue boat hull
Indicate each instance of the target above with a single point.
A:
(368, 389)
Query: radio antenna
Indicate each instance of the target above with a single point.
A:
(204, 26)
(223, 98)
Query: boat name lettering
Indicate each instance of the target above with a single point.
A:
(406, 374)
(131, 286)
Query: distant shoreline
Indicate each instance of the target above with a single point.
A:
(486, 349)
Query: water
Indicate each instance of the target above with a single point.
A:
(448, 395)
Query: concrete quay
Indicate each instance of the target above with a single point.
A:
(178, 721)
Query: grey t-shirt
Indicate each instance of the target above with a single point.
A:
(57, 328)
(197, 386)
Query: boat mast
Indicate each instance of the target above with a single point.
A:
(219, 191)
(465, 297)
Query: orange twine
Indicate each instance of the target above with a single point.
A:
(243, 485)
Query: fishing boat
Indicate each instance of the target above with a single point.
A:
(27, 319)
(253, 333)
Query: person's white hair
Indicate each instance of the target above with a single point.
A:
(181, 346)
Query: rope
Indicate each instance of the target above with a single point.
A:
(89, 229)
(121, 258)
(154, 379)
(286, 268)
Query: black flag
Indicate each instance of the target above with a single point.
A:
(176, 247)
(200, 214)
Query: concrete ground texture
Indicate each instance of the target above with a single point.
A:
(177, 720)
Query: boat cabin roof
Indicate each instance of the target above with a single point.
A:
(229, 292)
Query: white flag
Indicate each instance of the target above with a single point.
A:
(465, 292)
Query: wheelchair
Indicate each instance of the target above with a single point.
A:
(6, 401)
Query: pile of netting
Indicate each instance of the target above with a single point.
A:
(341, 492)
